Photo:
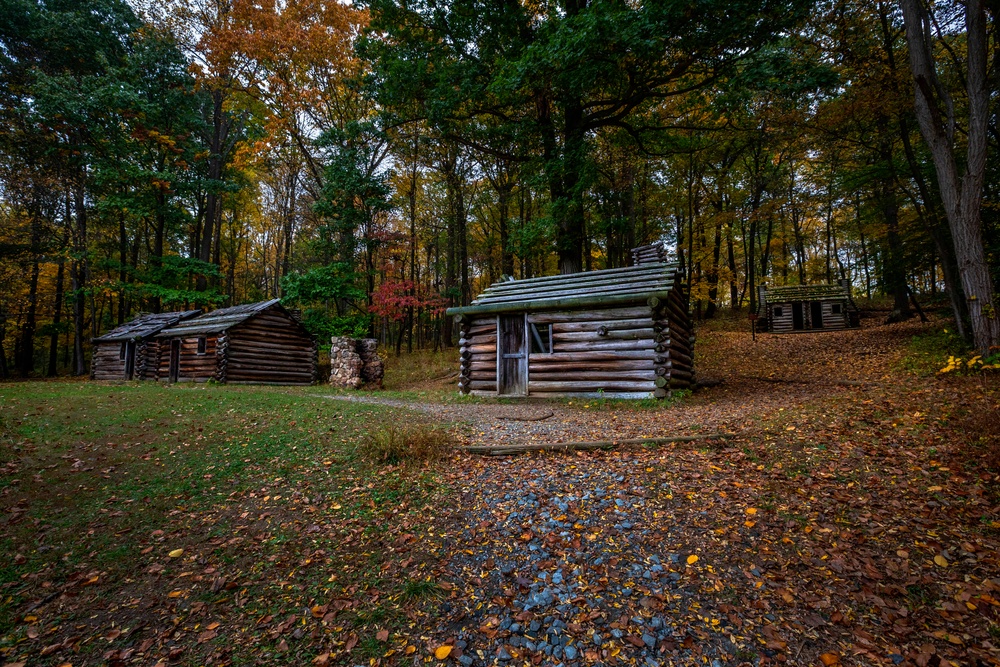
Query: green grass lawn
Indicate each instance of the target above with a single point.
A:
(260, 486)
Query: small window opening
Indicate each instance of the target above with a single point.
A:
(836, 309)
(121, 353)
(201, 345)
(541, 338)
(778, 311)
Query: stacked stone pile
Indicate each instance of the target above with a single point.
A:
(354, 363)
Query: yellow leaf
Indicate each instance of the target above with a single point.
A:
(692, 559)
(749, 524)
(410, 650)
(442, 652)
(174, 594)
(941, 560)
(176, 553)
(932, 489)
(751, 510)
(336, 507)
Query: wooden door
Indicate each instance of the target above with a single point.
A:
(798, 317)
(129, 359)
(512, 356)
(175, 360)
(816, 308)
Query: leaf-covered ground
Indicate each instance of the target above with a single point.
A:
(851, 518)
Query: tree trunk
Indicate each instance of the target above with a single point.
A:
(56, 320)
(961, 194)
(80, 269)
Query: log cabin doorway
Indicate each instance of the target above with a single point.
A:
(129, 359)
(175, 361)
(512, 356)
(816, 314)
(798, 317)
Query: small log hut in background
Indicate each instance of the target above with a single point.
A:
(806, 308)
(129, 351)
(618, 333)
(257, 343)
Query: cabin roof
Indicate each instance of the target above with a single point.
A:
(220, 320)
(805, 293)
(632, 284)
(144, 326)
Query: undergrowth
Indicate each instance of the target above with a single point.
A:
(405, 444)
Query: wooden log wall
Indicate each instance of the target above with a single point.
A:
(145, 359)
(610, 351)
(194, 367)
(106, 363)
(269, 348)
(477, 369)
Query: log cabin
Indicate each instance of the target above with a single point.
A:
(617, 333)
(257, 343)
(128, 352)
(798, 308)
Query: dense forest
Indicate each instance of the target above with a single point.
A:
(373, 163)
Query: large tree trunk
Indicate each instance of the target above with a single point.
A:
(80, 270)
(26, 359)
(961, 194)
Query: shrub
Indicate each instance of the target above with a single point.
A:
(405, 444)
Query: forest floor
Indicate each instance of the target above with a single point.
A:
(852, 517)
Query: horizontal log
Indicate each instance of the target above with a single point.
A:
(596, 315)
(540, 364)
(490, 328)
(503, 450)
(482, 385)
(270, 383)
(596, 355)
(593, 376)
(284, 357)
(482, 339)
(681, 357)
(610, 325)
(541, 387)
(242, 344)
(604, 345)
(596, 334)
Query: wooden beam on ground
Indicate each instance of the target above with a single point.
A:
(507, 450)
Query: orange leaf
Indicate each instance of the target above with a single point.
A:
(442, 652)
(382, 635)
(830, 659)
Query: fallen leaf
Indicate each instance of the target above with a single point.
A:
(212, 626)
(751, 510)
(442, 652)
(692, 559)
(352, 641)
(174, 594)
(382, 635)
(321, 660)
(829, 659)
(176, 553)
(941, 560)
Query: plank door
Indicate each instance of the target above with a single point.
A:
(798, 317)
(817, 314)
(512, 356)
(175, 360)
(129, 359)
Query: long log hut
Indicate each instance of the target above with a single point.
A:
(618, 333)
(257, 343)
(797, 308)
(128, 352)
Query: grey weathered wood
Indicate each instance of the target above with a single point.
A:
(501, 450)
